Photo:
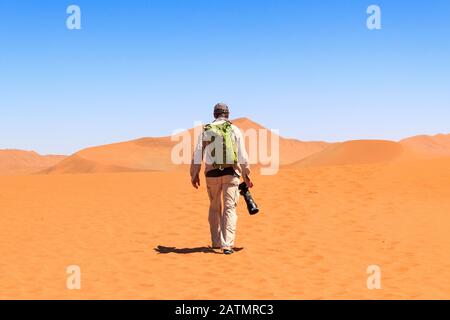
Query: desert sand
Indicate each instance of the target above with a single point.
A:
(318, 230)
(145, 234)
(429, 146)
(25, 162)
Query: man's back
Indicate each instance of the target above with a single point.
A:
(202, 153)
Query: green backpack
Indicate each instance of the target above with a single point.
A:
(224, 131)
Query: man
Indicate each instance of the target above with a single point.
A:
(223, 174)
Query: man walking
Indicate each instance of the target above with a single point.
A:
(221, 146)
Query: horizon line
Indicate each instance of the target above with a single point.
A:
(240, 118)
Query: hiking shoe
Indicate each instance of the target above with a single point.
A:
(228, 251)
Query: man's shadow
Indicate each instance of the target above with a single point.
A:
(167, 250)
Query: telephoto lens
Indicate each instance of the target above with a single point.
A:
(251, 204)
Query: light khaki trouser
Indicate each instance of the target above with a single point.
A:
(222, 221)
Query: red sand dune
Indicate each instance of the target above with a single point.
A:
(380, 151)
(154, 154)
(147, 154)
(355, 152)
(25, 162)
(291, 150)
(429, 146)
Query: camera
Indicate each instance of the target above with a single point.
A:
(251, 204)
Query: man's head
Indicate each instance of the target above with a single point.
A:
(221, 111)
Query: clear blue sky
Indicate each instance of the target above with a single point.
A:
(145, 68)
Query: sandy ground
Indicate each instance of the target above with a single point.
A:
(319, 230)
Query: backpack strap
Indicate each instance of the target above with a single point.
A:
(207, 126)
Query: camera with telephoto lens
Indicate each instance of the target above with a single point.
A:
(251, 205)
